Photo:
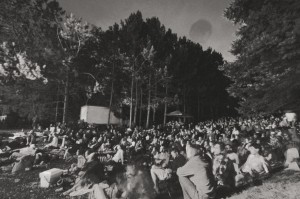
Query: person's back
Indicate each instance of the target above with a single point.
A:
(196, 177)
(203, 177)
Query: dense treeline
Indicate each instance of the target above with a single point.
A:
(137, 67)
(266, 73)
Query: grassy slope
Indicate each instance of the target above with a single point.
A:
(282, 185)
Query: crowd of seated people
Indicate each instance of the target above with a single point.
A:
(200, 157)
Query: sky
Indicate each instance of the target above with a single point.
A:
(201, 21)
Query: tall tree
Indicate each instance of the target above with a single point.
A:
(73, 34)
(28, 54)
(267, 70)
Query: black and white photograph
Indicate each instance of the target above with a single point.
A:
(149, 99)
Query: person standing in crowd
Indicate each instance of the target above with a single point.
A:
(196, 177)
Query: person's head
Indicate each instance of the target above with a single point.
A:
(162, 148)
(174, 153)
(255, 136)
(286, 136)
(131, 170)
(87, 152)
(248, 140)
(228, 148)
(254, 148)
(220, 139)
(218, 148)
(258, 142)
(200, 138)
(191, 150)
(272, 134)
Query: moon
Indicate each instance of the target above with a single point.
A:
(201, 31)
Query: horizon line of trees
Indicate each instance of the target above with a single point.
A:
(52, 63)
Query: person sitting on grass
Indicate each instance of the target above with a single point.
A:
(255, 164)
(31, 138)
(223, 167)
(119, 156)
(196, 177)
(54, 143)
(160, 170)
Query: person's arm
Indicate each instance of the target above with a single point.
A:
(122, 157)
(216, 165)
(246, 168)
(186, 170)
(265, 165)
(166, 161)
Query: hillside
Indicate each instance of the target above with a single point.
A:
(282, 185)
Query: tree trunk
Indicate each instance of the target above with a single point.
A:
(166, 106)
(141, 108)
(131, 96)
(155, 97)
(184, 101)
(149, 102)
(136, 102)
(56, 108)
(66, 97)
(111, 94)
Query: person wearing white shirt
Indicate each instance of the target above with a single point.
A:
(119, 156)
(291, 118)
(54, 142)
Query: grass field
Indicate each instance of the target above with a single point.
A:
(282, 185)
(25, 185)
